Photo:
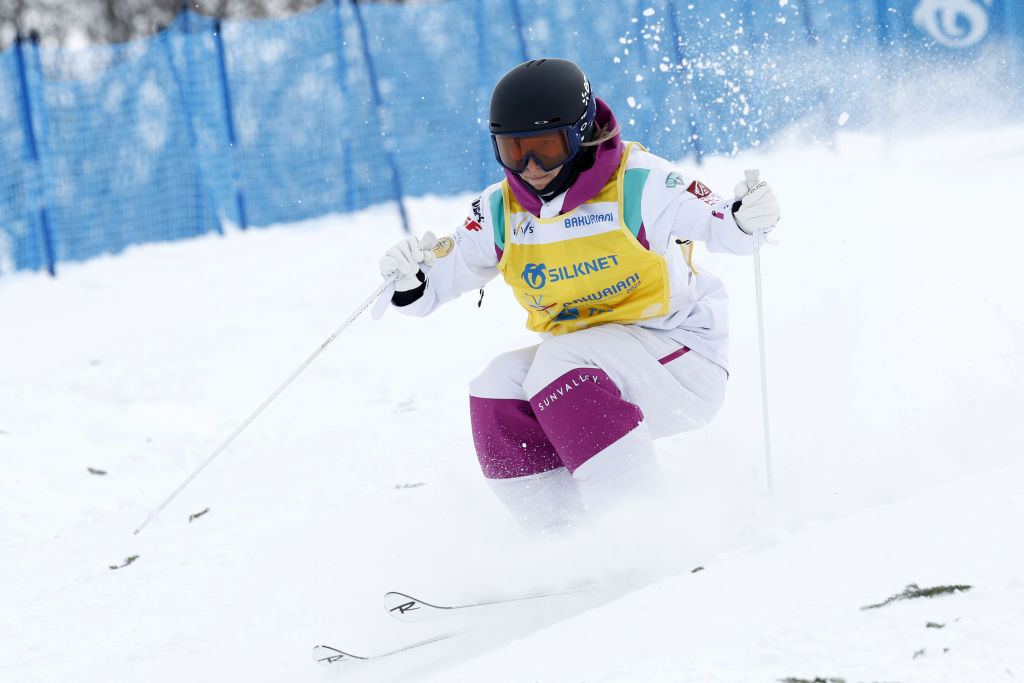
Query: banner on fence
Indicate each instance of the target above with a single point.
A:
(259, 122)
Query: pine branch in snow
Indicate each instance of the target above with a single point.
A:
(913, 591)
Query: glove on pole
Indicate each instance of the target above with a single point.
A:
(744, 192)
(403, 260)
(188, 480)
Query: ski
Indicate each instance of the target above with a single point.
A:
(328, 656)
(405, 607)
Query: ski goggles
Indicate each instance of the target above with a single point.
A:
(549, 148)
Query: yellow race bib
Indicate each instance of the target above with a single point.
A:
(582, 268)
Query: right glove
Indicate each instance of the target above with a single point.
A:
(402, 262)
(756, 207)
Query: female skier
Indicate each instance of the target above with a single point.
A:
(594, 236)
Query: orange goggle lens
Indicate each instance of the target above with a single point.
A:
(550, 149)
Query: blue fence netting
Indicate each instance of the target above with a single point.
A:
(258, 122)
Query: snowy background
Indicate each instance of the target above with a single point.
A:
(894, 325)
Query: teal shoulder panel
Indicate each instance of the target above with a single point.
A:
(498, 218)
(632, 192)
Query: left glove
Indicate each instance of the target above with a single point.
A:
(402, 262)
(756, 207)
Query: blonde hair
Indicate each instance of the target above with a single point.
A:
(603, 134)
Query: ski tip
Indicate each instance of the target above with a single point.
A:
(328, 656)
(325, 655)
(395, 595)
(403, 607)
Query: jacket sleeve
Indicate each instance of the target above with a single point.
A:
(676, 206)
(467, 262)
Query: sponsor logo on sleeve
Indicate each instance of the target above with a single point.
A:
(444, 247)
(674, 180)
(703, 193)
(473, 222)
(698, 189)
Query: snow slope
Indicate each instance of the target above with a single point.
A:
(894, 328)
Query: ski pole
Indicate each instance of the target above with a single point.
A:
(764, 373)
(224, 444)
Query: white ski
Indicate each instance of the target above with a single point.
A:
(405, 607)
(326, 655)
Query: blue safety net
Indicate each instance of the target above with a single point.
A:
(251, 123)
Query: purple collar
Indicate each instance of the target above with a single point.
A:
(590, 182)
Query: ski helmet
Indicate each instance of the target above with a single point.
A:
(542, 94)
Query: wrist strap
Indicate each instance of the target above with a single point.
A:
(410, 295)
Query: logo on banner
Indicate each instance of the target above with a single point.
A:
(953, 23)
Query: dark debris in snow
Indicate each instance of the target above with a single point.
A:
(197, 515)
(127, 561)
(914, 591)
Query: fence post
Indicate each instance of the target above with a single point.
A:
(186, 113)
(482, 91)
(687, 85)
(229, 119)
(346, 148)
(1014, 20)
(517, 19)
(36, 185)
(827, 110)
(378, 103)
(884, 52)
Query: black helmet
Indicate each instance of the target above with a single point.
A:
(542, 94)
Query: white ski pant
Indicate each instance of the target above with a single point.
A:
(568, 424)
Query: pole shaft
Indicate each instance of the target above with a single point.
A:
(270, 399)
(764, 371)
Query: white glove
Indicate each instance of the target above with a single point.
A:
(402, 261)
(759, 209)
